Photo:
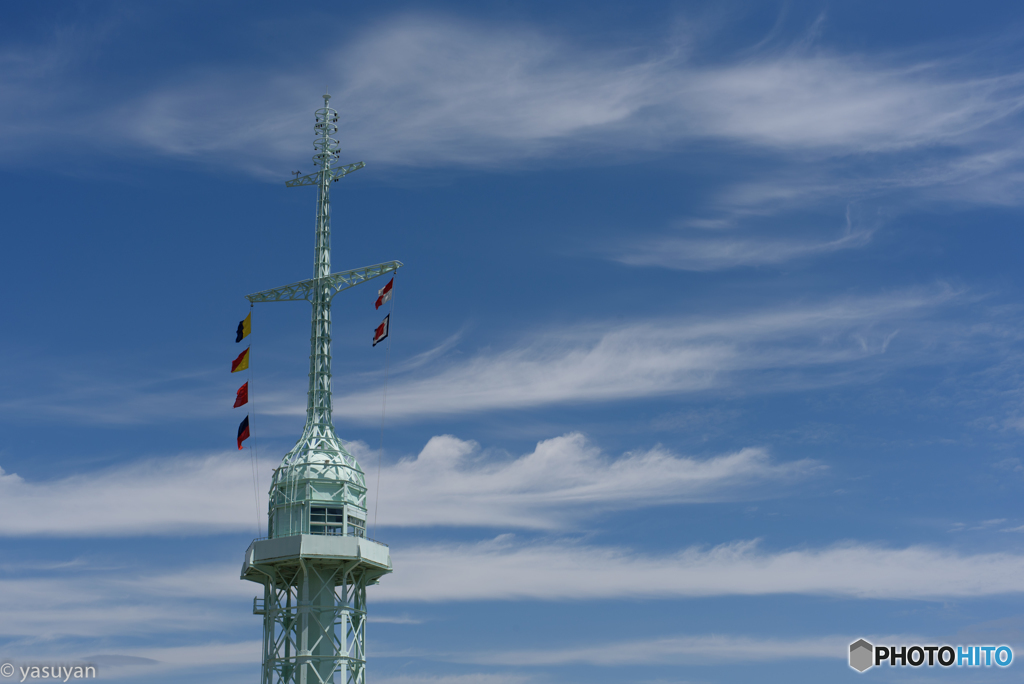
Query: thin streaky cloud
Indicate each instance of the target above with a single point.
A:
(395, 619)
(98, 604)
(471, 678)
(714, 254)
(142, 664)
(505, 569)
(91, 605)
(95, 397)
(690, 649)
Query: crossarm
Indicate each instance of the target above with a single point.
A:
(337, 282)
(314, 178)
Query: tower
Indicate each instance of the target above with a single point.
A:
(316, 560)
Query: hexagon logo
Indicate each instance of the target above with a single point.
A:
(862, 655)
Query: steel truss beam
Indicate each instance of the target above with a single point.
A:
(334, 175)
(336, 282)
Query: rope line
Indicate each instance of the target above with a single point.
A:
(254, 459)
(383, 407)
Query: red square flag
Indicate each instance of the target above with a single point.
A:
(242, 396)
(382, 331)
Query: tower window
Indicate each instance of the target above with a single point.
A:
(329, 521)
(356, 527)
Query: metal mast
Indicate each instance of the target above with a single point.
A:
(316, 563)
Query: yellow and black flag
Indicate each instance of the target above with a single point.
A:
(244, 328)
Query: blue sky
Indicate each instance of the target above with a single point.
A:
(706, 359)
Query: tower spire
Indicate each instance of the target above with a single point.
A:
(319, 419)
(317, 562)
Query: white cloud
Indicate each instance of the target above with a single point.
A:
(167, 496)
(449, 483)
(585, 364)
(562, 480)
(503, 569)
(92, 602)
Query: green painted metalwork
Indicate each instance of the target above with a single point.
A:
(335, 174)
(314, 603)
(336, 281)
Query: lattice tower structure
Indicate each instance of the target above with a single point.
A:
(316, 561)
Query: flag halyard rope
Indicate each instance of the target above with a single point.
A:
(383, 408)
(254, 459)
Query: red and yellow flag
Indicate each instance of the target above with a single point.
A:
(242, 362)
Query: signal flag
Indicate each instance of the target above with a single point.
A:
(382, 331)
(242, 362)
(384, 294)
(244, 328)
(243, 431)
(242, 396)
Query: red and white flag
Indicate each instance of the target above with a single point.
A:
(382, 331)
(384, 294)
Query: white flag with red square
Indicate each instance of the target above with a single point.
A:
(384, 294)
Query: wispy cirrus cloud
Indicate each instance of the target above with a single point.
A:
(722, 252)
(771, 350)
(781, 348)
(420, 90)
(715, 244)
